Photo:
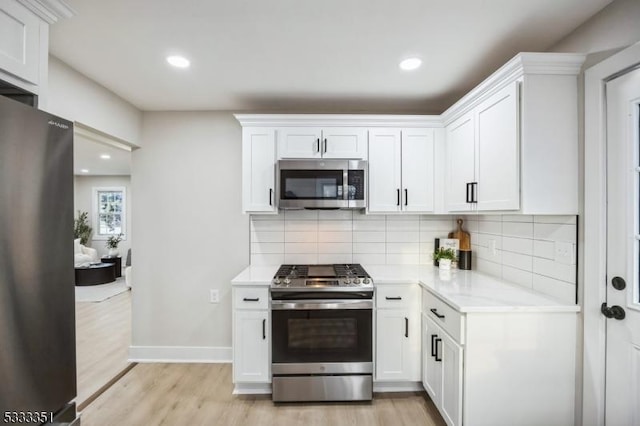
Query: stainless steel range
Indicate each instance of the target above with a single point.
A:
(322, 330)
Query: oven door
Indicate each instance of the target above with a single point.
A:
(322, 337)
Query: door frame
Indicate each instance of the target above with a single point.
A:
(595, 230)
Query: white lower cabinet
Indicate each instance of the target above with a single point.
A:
(251, 336)
(397, 333)
(442, 371)
(492, 368)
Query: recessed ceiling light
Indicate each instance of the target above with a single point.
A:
(178, 61)
(84, 170)
(410, 64)
(105, 156)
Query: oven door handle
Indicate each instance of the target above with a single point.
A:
(308, 305)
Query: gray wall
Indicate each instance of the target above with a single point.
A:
(191, 235)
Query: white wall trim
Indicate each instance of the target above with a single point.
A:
(189, 354)
(252, 389)
(595, 238)
(338, 120)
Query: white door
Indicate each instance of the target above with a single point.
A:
(344, 142)
(300, 142)
(497, 152)
(384, 170)
(460, 156)
(622, 396)
(417, 170)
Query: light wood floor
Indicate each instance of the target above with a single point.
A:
(200, 394)
(103, 335)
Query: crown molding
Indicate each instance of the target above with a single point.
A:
(49, 10)
(526, 63)
(338, 120)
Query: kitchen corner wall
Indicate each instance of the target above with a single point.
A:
(520, 249)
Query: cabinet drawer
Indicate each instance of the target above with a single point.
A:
(443, 315)
(251, 298)
(395, 296)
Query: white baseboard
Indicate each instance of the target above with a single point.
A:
(194, 354)
(397, 386)
(252, 389)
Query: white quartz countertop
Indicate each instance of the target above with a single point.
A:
(466, 291)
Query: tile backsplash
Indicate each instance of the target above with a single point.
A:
(533, 251)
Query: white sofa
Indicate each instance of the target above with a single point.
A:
(83, 256)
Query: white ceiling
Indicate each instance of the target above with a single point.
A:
(86, 155)
(302, 55)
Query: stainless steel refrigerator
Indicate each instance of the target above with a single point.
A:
(37, 308)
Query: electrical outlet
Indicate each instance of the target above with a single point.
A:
(214, 296)
(565, 253)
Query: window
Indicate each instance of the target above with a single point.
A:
(109, 207)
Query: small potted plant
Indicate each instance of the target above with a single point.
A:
(112, 244)
(444, 257)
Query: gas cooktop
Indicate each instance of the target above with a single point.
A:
(322, 277)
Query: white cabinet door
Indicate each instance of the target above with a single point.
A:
(443, 375)
(300, 142)
(251, 362)
(431, 370)
(258, 170)
(384, 170)
(460, 155)
(497, 152)
(19, 41)
(418, 170)
(392, 345)
(344, 142)
(451, 396)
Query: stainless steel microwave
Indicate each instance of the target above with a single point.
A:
(322, 184)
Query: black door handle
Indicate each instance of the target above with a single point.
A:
(406, 327)
(436, 342)
(614, 311)
(264, 329)
(393, 298)
(398, 195)
(248, 299)
(270, 196)
(325, 145)
(435, 312)
(406, 197)
(318, 145)
(474, 192)
(468, 199)
(433, 352)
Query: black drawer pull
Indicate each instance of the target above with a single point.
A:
(435, 312)
(436, 342)
(433, 345)
(393, 298)
(247, 299)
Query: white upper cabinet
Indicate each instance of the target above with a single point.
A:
(482, 155)
(258, 170)
(24, 41)
(401, 170)
(316, 142)
(512, 142)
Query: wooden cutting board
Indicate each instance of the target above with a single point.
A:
(462, 236)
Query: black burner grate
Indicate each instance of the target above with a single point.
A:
(293, 270)
(350, 270)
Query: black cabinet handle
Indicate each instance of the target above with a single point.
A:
(468, 192)
(264, 329)
(270, 196)
(435, 312)
(247, 299)
(406, 327)
(474, 192)
(398, 195)
(436, 342)
(393, 298)
(406, 197)
(325, 145)
(433, 345)
(318, 145)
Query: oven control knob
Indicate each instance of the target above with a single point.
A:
(287, 281)
(366, 281)
(356, 281)
(347, 281)
(276, 281)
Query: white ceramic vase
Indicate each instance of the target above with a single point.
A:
(444, 264)
(113, 252)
